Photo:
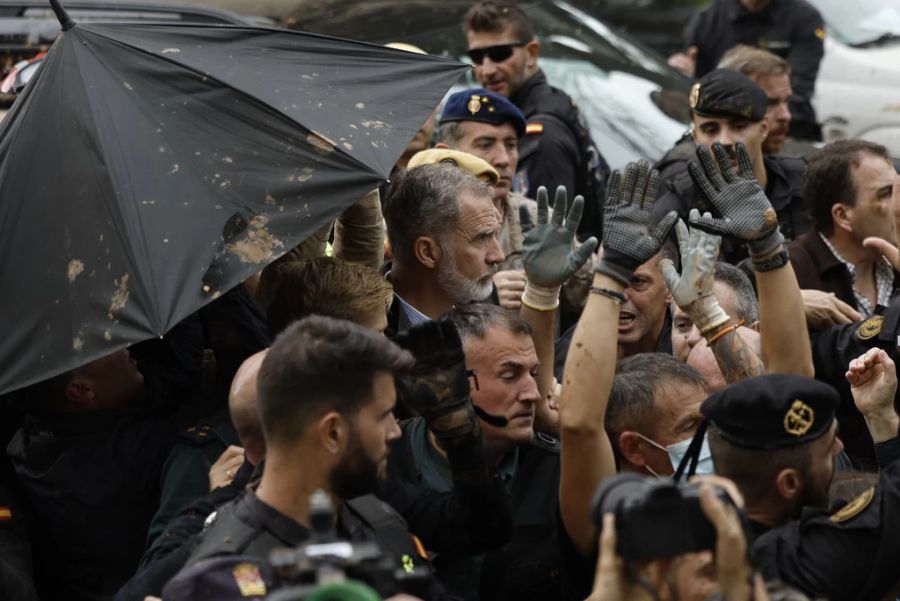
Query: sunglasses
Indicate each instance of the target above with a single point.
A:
(497, 54)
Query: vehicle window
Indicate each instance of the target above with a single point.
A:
(862, 22)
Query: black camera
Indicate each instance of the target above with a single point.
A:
(655, 518)
(326, 559)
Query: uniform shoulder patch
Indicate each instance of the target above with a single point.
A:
(534, 128)
(249, 580)
(5, 514)
(870, 327)
(854, 507)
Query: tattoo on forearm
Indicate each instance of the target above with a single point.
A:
(736, 359)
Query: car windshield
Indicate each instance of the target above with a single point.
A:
(861, 22)
(635, 105)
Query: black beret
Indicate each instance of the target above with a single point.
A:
(727, 93)
(772, 411)
(477, 104)
(229, 578)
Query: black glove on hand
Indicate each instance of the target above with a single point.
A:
(628, 238)
(746, 212)
(438, 385)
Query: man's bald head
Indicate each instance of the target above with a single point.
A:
(242, 408)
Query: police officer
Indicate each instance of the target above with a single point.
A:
(776, 437)
(791, 29)
(557, 149)
(727, 107)
(185, 476)
(833, 349)
(326, 396)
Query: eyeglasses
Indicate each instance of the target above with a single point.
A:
(497, 54)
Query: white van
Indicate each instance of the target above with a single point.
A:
(858, 88)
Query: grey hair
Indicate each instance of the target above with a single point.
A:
(472, 320)
(448, 133)
(424, 201)
(744, 296)
(638, 378)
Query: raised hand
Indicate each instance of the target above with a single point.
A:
(629, 238)
(549, 258)
(746, 211)
(438, 384)
(693, 289)
(873, 384)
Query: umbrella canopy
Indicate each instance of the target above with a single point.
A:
(148, 168)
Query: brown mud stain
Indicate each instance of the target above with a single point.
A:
(74, 270)
(258, 245)
(120, 298)
(322, 144)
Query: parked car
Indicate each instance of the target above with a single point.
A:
(28, 27)
(857, 89)
(635, 104)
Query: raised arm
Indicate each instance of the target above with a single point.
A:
(692, 291)
(549, 262)
(748, 215)
(587, 456)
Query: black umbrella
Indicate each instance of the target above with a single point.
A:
(147, 168)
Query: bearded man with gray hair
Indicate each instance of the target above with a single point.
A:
(443, 228)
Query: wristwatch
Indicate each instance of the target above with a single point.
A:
(776, 262)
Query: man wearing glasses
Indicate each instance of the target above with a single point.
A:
(557, 149)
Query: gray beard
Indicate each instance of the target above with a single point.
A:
(459, 288)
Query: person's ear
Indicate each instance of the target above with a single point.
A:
(80, 391)
(764, 127)
(789, 484)
(427, 251)
(840, 216)
(334, 432)
(532, 51)
(754, 326)
(632, 448)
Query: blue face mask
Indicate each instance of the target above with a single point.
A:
(677, 452)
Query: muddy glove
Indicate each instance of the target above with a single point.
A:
(549, 258)
(693, 289)
(746, 212)
(438, 384)
(629, 239)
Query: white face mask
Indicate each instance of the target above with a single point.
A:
(677, 452)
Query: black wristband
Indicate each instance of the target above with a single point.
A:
(616, 297)
(776, 262)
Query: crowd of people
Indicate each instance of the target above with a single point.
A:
(511, 373)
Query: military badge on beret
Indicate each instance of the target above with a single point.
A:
(474, 104)
(799, 418)
(695, 95)
(870, 328)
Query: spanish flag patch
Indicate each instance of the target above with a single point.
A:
(5, 514)
(534, 128)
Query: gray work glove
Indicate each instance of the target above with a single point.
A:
(746, 212)
(549, 259)
(629, 240)
(693, 289)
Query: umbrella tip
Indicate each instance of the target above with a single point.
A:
(64, 20)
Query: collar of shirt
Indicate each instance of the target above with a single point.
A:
(413, 316)
(518, 97)
(434, 469)
(737, 11)
(884, 280)
(287, 530)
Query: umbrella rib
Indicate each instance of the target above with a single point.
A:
(255, 99)
(156, 324)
